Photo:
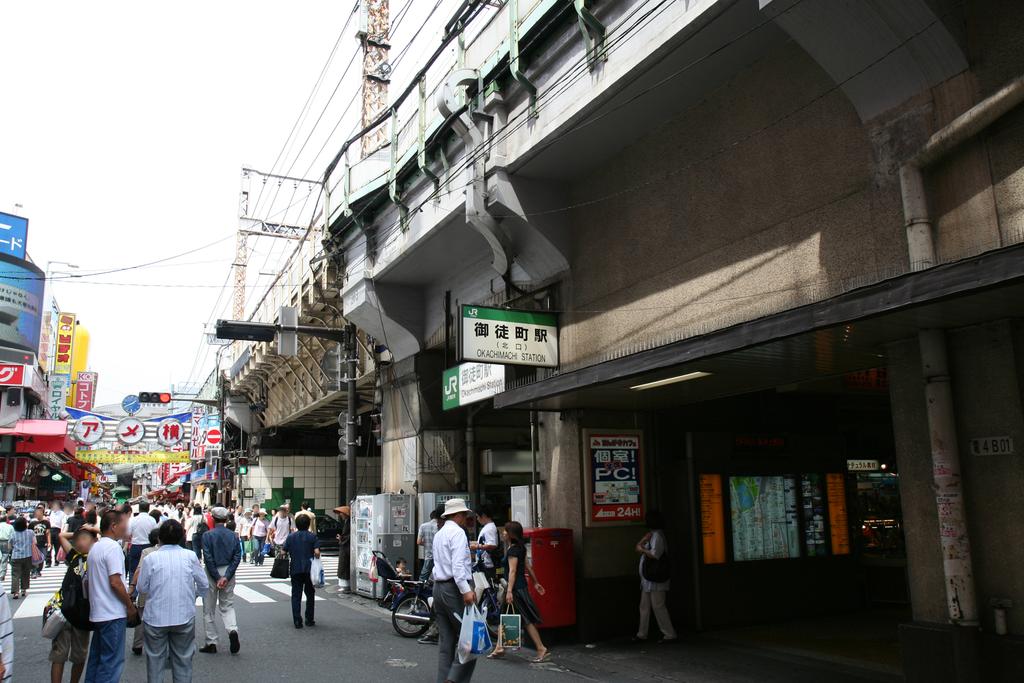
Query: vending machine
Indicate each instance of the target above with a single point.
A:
(361, 544)
(394, 527)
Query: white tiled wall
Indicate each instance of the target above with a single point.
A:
(316, 476)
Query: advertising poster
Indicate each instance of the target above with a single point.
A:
(21, 303)
(614, 477)
(813, 496)
(712, 518)
(64, 345)
(764, 518)
(835, 487)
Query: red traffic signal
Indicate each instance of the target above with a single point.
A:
(163, 397)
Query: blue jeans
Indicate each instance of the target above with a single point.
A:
(428, 569)
(134, 557)
(106, 653)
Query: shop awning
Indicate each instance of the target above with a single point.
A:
(846, 333)
(41, 436)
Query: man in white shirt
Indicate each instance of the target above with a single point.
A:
(453, 589)
(110, 605)
(487, 541)
(282, 525)
(171, 579)
(57, 520)
(138, 530)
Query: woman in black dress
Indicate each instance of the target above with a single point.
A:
(517, 569)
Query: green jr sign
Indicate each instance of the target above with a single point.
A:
(471, 382)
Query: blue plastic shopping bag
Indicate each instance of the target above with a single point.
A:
(474, 638)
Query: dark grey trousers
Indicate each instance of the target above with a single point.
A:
(448, 603)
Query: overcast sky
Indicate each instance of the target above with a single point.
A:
(123, 129)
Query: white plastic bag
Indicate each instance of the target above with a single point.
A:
(316, 572)
(474, 638)
(53, 623)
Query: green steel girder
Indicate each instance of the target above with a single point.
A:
(514, 65)
(396, 197)
(593, 33)
(421, 133)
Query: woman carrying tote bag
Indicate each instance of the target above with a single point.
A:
(655, 573)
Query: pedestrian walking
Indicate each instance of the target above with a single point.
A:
(171, 579)
(191, 526)
(57, 520)
(344, 535)
(41, 530)
(486, 546)
(140, 597)
(22, 542)
(110, 605)
(6, 535)
(430, 637)
(307, 512)
(453, 590)
(259, 536)
(72, 644)
(653, 595)
(425, 540)
(221, 555)
(282, 525)
(244, 521)
(139, 529)
(517, 570)
(302, 546)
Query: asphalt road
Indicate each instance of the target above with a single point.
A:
(354, 641)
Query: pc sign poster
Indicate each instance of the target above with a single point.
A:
(614, 477)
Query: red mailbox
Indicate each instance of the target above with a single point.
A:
(551, 554)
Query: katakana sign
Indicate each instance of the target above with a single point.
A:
(130, 431)
(614, 477)
(12, 375)
(85, 390)
(58, 392)
(169, 432)
(88, 431)
(13, 234)
(497, 335)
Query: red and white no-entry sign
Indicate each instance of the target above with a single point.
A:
(213, 436)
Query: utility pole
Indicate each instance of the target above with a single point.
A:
(376, 72)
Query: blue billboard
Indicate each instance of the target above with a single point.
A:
(21, 303)
(13, 235)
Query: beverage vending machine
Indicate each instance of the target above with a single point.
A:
(394, 527)
(361, 545)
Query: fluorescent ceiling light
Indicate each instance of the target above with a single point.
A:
(670, 380)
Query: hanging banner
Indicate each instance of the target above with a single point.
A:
(198, 448)
(85, 390)
(497, 335)
(57, 395)
(103, 456)
(614, 484)
(65, 344)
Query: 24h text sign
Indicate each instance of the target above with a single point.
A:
(614, 477)
(497, 335)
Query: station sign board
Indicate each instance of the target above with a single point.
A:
(509, 337)
(471, 382)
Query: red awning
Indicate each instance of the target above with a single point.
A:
(41, 436)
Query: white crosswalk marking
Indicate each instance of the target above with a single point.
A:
(285, 589)
(252, 585)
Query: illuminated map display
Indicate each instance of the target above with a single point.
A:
(764, 518)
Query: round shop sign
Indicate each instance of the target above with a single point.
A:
(88, 431)
(130, 431)
(169, 432)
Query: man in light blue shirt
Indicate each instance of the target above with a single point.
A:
(171, 579)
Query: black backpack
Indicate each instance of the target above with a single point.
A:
(74, 605)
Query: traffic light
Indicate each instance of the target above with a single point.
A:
(162, 397)
(243, 465)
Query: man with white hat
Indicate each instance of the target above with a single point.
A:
(222, 555)
(453, 589)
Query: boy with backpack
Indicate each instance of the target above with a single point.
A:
(72, 644)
